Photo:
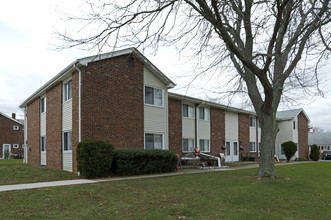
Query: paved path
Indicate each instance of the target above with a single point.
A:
(5, 188)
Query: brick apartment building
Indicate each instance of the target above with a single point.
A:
(11, 137)
(122, 98)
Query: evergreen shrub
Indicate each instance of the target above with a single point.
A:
(94, 158)
(315, 153)
(133, 162)
(289, 149)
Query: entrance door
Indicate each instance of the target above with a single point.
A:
(281, 153)
(235, 151)
(228, 151)
(5, 151)
(43, 151)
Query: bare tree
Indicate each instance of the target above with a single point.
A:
(270, 44)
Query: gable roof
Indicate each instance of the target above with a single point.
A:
(86, 60)
(319, 138)
(10, 118)
(290, 114)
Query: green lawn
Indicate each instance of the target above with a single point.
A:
(303, 191)
(14, 171)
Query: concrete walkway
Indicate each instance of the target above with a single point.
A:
(13, 187)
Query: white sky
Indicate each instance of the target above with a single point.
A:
(27, 60)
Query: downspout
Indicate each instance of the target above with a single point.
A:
(79, 102)
(25, 159)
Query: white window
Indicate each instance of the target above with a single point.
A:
(252, 122)
(252, 147)
(204, 145)
(67, 91)
(294, 125)
(15, 146)
(43, 143)
(153, 96)
(67, 141)
(227, 148)
(188, 111)
(153, 141)
(204, 114)
(188, 145)
(16, 128)
(43, 104)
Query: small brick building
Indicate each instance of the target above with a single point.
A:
(122, 98)
(11, 137)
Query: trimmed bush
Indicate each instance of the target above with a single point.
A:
(289, 149)
(132, 162)
(315, 153)
(94, 158)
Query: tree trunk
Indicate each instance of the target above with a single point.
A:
(269, 129)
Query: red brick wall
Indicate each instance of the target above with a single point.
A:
(303, 135)
(75, 116)
(243, 133)
(175, 125)
(33, 121)
(217, 130)
(10, 136)
(54, 127)
(112, 102)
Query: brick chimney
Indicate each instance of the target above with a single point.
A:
(13, 115)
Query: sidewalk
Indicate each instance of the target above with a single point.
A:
(180, 172)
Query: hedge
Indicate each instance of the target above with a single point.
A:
(132, 162)
(94, 158)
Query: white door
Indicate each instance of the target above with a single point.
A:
(281, 153)
(43, 151)
(228, 151)
(5, 151)
(235, 151)
(67, 151)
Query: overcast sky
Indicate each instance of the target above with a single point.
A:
(28, 61)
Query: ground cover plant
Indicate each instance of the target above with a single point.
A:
(14, 171)
(302, 191)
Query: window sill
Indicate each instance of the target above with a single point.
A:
(69, 100)
(155, 106)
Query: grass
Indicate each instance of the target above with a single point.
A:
(303, 191)
(14, 171)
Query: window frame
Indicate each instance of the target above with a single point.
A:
(16, 127)
(203, 113)
(43, 143)
(65, 141)
(252, 122)
(294, 125)
(154, 134)
(154, 97)
(250, 144)
(15, 145)
(43, 104)
(67, 90)
(188, 139)
(204, 141)
(188, 106)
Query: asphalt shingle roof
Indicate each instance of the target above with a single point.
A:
(319, 138)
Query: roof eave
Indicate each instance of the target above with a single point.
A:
(212, 104)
